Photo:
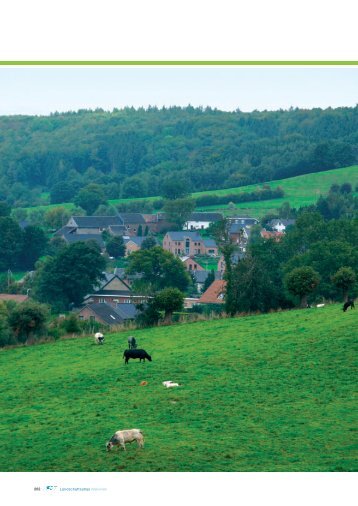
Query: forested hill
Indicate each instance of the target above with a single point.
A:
(133, 153)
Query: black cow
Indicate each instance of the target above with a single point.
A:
(132, 343)
(349, 303)
(141, 354)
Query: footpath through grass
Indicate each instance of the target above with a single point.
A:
(271, 392)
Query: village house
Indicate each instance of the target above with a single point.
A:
(215, 294)
(235, 258)
(157, 223)
(191, 265)
(113, 292)
(199, 278)
(183, 243)
(132, 222)
(15, 297)
(201, 221)
(134, 243)
(280, 225)
(107, 314)
(267, 234)
(244, 221)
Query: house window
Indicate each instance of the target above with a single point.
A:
(92, 318)
(81, 317)
(187, 245)
(190, 267)
(101, 301)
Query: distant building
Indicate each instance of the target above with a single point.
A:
(108, 315)
(280, 225)
(113, 292)
(183, 243)
(14, 297)
(215, 294)
(191, 265)
(201, 221)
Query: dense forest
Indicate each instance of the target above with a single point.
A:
(139, 152)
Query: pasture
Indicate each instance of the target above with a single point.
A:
(299, 191)
(271, 392)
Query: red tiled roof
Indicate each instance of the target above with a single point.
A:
(13, 296)
(214, 294)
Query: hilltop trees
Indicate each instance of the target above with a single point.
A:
(144, 152)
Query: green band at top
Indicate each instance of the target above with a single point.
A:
(178, 62)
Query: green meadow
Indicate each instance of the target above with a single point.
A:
(271, 392)
(299, 191)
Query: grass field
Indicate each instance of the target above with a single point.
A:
(270, 392)
(299, 191)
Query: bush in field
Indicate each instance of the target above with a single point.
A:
(28, 320)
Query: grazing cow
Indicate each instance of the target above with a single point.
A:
(141, 354)
(121, 437)
(99, 338)
(132, 343)
(349, 303)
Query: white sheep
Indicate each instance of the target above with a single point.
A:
(121, 437)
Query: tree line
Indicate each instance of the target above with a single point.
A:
(139, 152)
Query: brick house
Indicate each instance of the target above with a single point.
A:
(191, 265)
(113, 292)
(184, 243)
(107, 314)
(215, 294)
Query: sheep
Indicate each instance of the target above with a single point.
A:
(99, 338)
(170, 384)
(121, 437)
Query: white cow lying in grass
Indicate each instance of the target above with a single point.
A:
(121, 437)
(170, 384)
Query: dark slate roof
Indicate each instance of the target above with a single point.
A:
(106, 313)
(211, 217)
(120, 272)
(183, 234)
(97, 221)
(243, 220)
(285, 223)
(118, 229)
(72, 238)
(210, 243)
(136, 239)
(200, 276)
(109, 293)
(132, 218)
(65, 231)
(127, 311)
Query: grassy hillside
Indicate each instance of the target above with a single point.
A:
(299, 191)
(271, 392)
